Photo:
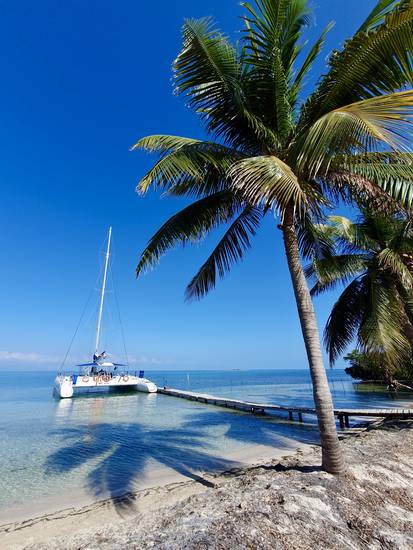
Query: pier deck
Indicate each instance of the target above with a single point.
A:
(343, 415)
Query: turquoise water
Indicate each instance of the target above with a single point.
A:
(102, 444)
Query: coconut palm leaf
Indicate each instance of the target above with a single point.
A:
(314, 239)
(208, 72)
(276, 24)
(330, 271)
(372, 312)
(376, 60)
(361, 126)
(307, 64)
(184, 167)
(387, 178)
(380, 330)
(354, 237)
(391, 260)
(345, 317)
(377, 16)
(266, 180)
(230, 250)
(269, 42)
(163, 144)
(396, 180)
(189, 225)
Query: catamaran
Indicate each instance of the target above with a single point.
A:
(101, 373)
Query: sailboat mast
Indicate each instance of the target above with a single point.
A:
(102, 293)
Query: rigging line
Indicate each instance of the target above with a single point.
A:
(120, 319)
(80, 321)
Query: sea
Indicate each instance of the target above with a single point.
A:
(101, 444)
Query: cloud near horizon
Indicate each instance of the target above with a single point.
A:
(31, 357)
(35, 357)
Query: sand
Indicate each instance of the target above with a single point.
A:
(286, 502)
(78, 510)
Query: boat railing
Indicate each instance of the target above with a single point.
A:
(71, 373)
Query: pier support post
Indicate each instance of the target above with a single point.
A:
(290, 416)
(347, 421)
(341, 420)
(300, 417)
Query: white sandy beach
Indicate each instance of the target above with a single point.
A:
(282, 504)
(78, 510)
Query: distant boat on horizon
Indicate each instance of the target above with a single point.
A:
(101, 373)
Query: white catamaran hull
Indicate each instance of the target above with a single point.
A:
(65, 386)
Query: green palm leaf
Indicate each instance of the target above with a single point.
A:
(266, 180)
(392, 172)
(362, 126)
(345, 317)
(353, 237)
(391, 260)
(189, 225)
(229, 250)
(377, 16)
(271, 33)
(187, 166)
(163, 143)
(208, 72)
(314, 239)
(371, 63)
(307, 64)
(335, 269)
(381, 330)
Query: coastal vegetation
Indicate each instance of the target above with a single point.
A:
(276, 151)
(373, 258)
(367, 368)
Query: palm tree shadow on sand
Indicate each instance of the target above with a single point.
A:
(119, 454)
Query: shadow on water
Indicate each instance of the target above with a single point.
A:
(265, 430)
(118, 454)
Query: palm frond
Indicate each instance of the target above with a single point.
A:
(189, 225)
(378, 14)
(351, 236)
(360, 127)
(345, 317)
(407, 298)
(266, 180)
(330, 271)
(273, 29)
(376, 60)
(390, 260)
(163, 143)
(307, 64)
(391, 172)
(380, 330)
(230, 249)
(314, 239)
(208, 72)
(192, 166)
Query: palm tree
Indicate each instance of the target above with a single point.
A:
(374, 259)
(270, 150)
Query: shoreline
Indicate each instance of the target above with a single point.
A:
(285, 503)
(52, 516)
(77, 512)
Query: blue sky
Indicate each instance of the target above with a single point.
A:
(80, 83)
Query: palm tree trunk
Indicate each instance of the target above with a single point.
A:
(332, 459)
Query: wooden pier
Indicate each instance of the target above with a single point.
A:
(343, 415)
